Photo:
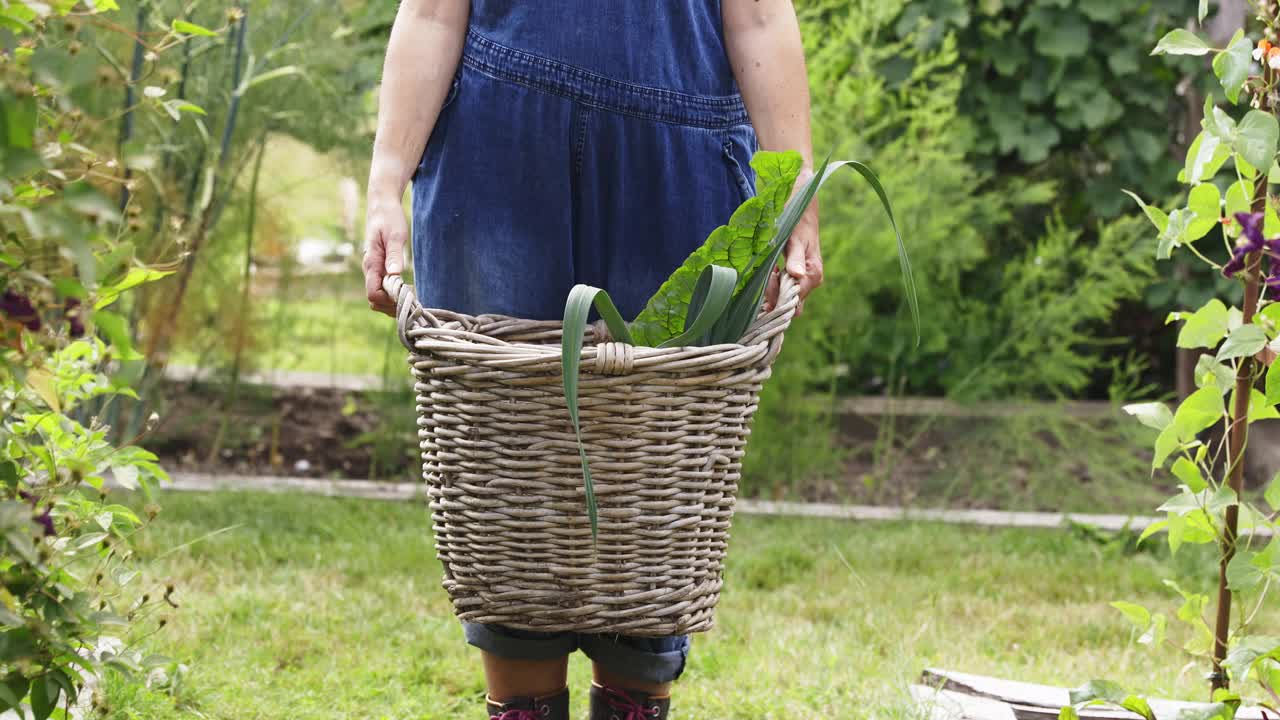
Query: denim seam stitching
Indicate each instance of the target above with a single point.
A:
(580, 141)
(727, 102)
(732, 109)
(682, 121)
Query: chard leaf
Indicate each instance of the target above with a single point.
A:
(738, 245)
(747, 305)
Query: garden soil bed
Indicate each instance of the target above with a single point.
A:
(935, 461)
(282, 431)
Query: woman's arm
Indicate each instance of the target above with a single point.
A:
(763, 42)
(422, 57)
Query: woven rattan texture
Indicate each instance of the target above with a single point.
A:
(665, 431)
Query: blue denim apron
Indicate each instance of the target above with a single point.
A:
(582, 141)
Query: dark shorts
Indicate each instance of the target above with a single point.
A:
(647, 659)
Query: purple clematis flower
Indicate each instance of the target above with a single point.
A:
(18, 307)
(1272, 280)
(42, 518)
(1251, 241)
(75, 324)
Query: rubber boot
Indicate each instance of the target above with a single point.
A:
(615, 704)
(548, 707)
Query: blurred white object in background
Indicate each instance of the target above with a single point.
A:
(349, 199)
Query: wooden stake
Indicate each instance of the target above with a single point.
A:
(1237, 440)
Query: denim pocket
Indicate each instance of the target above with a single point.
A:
(453, 90)
(736, 173)
(442, 119)
(737, 144)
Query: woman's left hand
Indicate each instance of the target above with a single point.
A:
(803, 258)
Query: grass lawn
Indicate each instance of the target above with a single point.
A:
(312, 607)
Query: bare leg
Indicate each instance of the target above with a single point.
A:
(524, 678)
(618, 682)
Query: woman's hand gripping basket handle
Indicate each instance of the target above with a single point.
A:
(406, 303)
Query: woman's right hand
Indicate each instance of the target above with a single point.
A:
(386, 232)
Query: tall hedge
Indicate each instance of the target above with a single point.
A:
(1062, 88)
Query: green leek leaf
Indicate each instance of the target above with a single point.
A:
(712, 293)
(576, 310)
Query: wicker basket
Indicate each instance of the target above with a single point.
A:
(665, 431)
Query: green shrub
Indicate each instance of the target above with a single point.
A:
(70, 604)
(996, 316)
(1065, 90)
(1038, 325)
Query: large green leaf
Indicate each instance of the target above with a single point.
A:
(12, 689)
(1218, 122)
(1189, 474)
(576, 310)
(134, 277)
(1167, 443)
(1200, 410)
(1249, 650)
(1174, 234)
(737, 245)
(1205, 327)
(189, 28)
(1238, 198)
(747, 304)
(1244, 341)
(1155, 415)
(1136, 614)
(1206, 202)
(1256, 138)
(44, 697)
(1154, 214)
(1107, 692)
(1242, 573)
(1181, 42)
(665, 315)
(1205, 157)
(1211, 373)
(115, 328)
(1259, 408)
(1232, 65)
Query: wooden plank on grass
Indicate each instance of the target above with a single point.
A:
(295, 379)
(990, 518)
(1032, 701)
(939, 704)
(409, 491)
(880, 405)
(209, 482)
(371, 490)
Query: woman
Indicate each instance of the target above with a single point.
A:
(576, 141)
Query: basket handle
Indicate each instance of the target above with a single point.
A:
(771, 325)
(406, 305)
(765, 326)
